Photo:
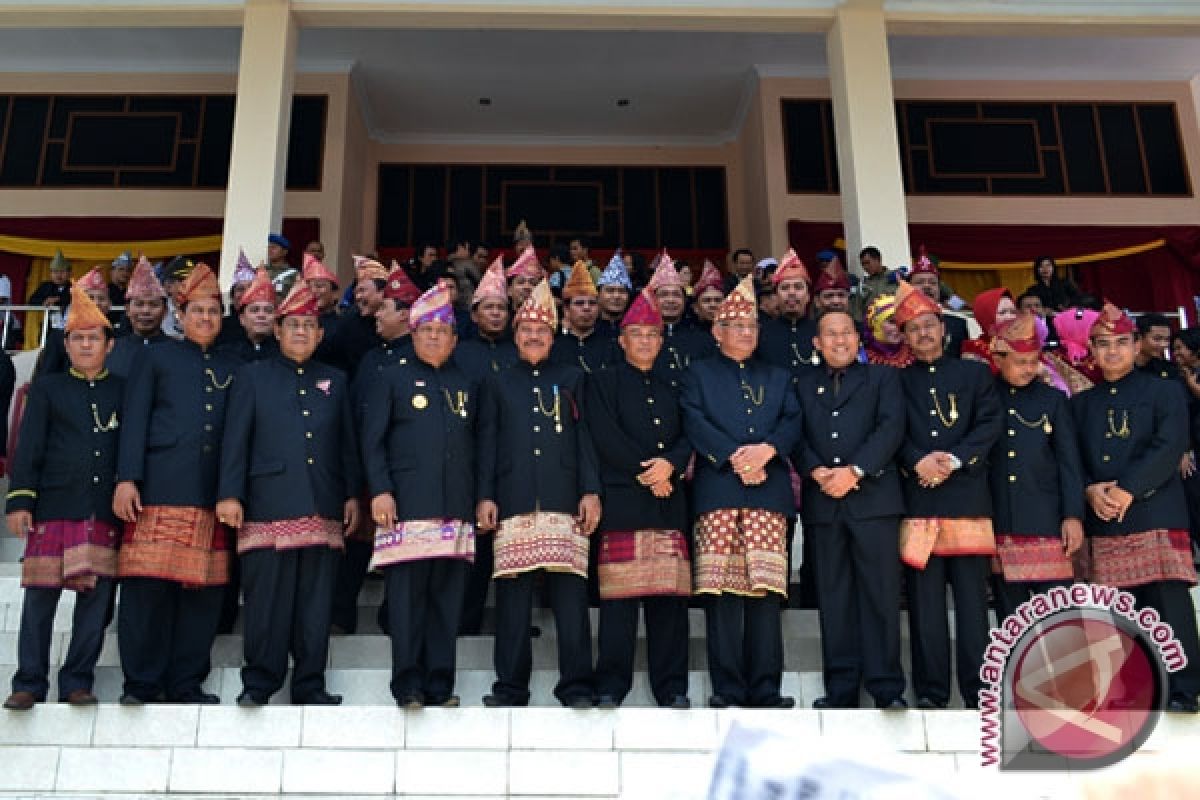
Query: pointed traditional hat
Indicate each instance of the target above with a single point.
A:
(539, 307)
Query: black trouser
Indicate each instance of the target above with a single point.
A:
(666, 646)
(289, 595)
(165, 633)
(858, 592)
(514, 652)
(230, 603)
(745, 648)
(479, 578)
(424, 608)
(1173, 601)
(352, 571)
(929, 635)
(37, 628)
(1007, 596)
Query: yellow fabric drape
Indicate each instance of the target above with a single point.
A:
(107, 251)
(39, 273)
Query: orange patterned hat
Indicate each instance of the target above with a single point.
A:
(300, 302)
(580, 283)
(200, 282)
(314, 270)
(84, 313)
(790, 267)
(260, 290)
(912, 303)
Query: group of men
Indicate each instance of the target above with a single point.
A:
(660, 452)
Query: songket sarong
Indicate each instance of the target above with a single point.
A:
(542, 540)
(419, 539)
(69, 554)
(290, 534)
(176, 543)
(741, 551)
(1031, 559)
(644, 563)
(921, 537)
(1135, 559)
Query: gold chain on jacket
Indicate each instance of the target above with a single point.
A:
(1123, 431)
(949, 419)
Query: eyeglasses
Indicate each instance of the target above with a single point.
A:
(740, 327)
(295, 324)
(584, 301)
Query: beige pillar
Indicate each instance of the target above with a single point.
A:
(258, 159)
(868, 152)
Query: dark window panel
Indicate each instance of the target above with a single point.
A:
(391, 227)
(831, 148)
(428, 205)
(605, 176)
(144, 141)
(984, 148)
(189, 109)
(23, 149)
(925, 183)
(1042, 114)
(917, 112)
(675, 207)
(1084, 164)
(492, 231)
(611, 237)
(54, 175)
(466, 202)
(560, 209)
(638, 205)
(180, 176)
(65, 106)
(1051, 184)
(712, 226)
(1164, 155)
(804, 146)
(306, 142)
(212, 163)
(1121, 150)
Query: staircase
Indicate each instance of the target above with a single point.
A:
(370, 748)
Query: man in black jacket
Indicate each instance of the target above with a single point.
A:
(635, 423)
(255, 340)
(145, 306)
(683, 340)
(289, 483)
(1133, 432)
(853, 426)
(953, 421)
(418, 446)
(539, 489)
(742, 419)
(924, 275)
(787, 340)
(174, 558)
(60, 500)
(1036, 476)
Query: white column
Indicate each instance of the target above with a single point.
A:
(868, 152)
(258, 159)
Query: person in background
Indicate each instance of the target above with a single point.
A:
(615, 288)
(282, 273)
(55, 294)
(1154, 337)
(787, 340)
(145, 306)
(1056, 292)
(924, 276)
(524, 274)
(118, 281)
(709, 294)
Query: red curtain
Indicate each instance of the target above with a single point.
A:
(1159, 279)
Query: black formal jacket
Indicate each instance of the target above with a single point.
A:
(418, 440)
(1161, 368)
(1135, 431)
(860, 425)
(289, 448)
(129, 350)
(329, 323)
(969, 437)
(52, 359)
(1035, 471)
(591, 354)
(353, 337)
(243, 350)
(683, 343)
(634, 416)
(8, 382)
(956, 333)
(67, 453)
(478, 356)
(787, 344)
(726, 405)
(524, 461)
(174, 418)
(372, 368)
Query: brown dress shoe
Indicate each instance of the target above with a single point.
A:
(20, 701)
(81, 697)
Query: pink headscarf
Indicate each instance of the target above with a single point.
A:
(1074, 326)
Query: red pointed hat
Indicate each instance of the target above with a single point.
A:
(833, 276)
(400, 286)
(200, 282)
(492, 285)
(314, 270)
(143, 282)
(527, 264)
(912, 303)
(643, 310)
(710, 278)
(300, 302)
(1018, 335)
(665, 273)
(1112, 322)
(923, 263)
(260, 290)
(93, 280)
(790, 267)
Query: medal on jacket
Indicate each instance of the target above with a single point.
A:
(420, 402)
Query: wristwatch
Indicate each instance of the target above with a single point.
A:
(857, 470)
(956, 461)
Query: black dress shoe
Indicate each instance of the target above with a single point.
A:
(606, 702)
(822, 704)
(413, 701)
(680, 702)
(20, 701)
(780, 702)
(500, 701)
(248, 699)
(448, 701)
(1183, 705)
(321, 698)
(895, 704)
(718, 701)
(926, 704)
(196, 697)
(580, 702)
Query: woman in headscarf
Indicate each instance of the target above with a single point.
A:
(882, 340)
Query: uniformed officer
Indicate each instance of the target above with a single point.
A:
(60, 501)
(580, 345)
(486, 351)
(145, 306)
(256, 318)
(953, 420)
(787, 340)
(289, 483)
(174, 558)
(1133, 431)
(742, 418)
(538, 482)
(1035, 473)
(853, 426)
(418, 445)
(635, 422)
(683, 340)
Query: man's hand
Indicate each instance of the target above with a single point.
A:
(1120, 499)
(589, 513)
(1187, 467)
(662, 490)
(383, 510)
(754, 477)
(657, 470)
(1102, 505)
(752, 457)
(229, 512)
(127, 501)
(842, 481)
(932, 470)
(1072, 536)
(486, 513)
(20, 523)
(350, 515)
(821, 475)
